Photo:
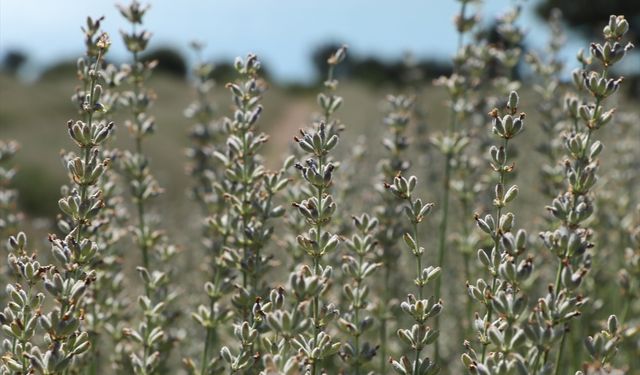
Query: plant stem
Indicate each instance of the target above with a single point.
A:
(442, 242)
(442, 238)
(418, 259)
(316, 268)
(417, 361)
(205, 352)
(356, 309)
(496, 243)
(561, 350)
(383, 322)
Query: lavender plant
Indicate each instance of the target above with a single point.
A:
(249, 189)
(571, 241)
(317, 211)
(420, 309)
(206, 135)
(63, 332)
(152, 336)
(78, 253)
(358, 267)
(20, 318)
(602, 347)
(9, 215)
(397, 119)
(502, 293)
(105, 304)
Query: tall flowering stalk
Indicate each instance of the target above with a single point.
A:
(152, 334)
(79, 251)
(359, 267)
(75, 255)
(572, 239)
(105, 304)
(317, 210)
(19, 319)
(629, 281)
(9, 215)
(453, 142)
(419, 308)
(249, 187)
(206, 136)
(500, 327)
(249, 190)
(397, 120)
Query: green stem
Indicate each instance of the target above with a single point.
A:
(138, 145)
(316, 327)
(489, 314)
(143, 234)
(625, 308)
(561, 350)
(442, 240)
(84, 189)
(466, 256)
(205, 352)
(383, 322)
(316, 269)
(357, 323)
(418, 260)
(496, 243)
(417, 361)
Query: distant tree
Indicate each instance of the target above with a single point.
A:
(13, 61)
(589, 16)
(61, 70)
(374, 71)
(170, 61)
(432, 68)
(319, 58)
(223, 72)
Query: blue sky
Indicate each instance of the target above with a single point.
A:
(281, 32)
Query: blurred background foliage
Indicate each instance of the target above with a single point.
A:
(33, 111)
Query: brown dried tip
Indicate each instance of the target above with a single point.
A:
(522, 115)
(386, 185)
(494, 113)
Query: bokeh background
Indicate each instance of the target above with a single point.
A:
(40, 41)
(392, 44)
